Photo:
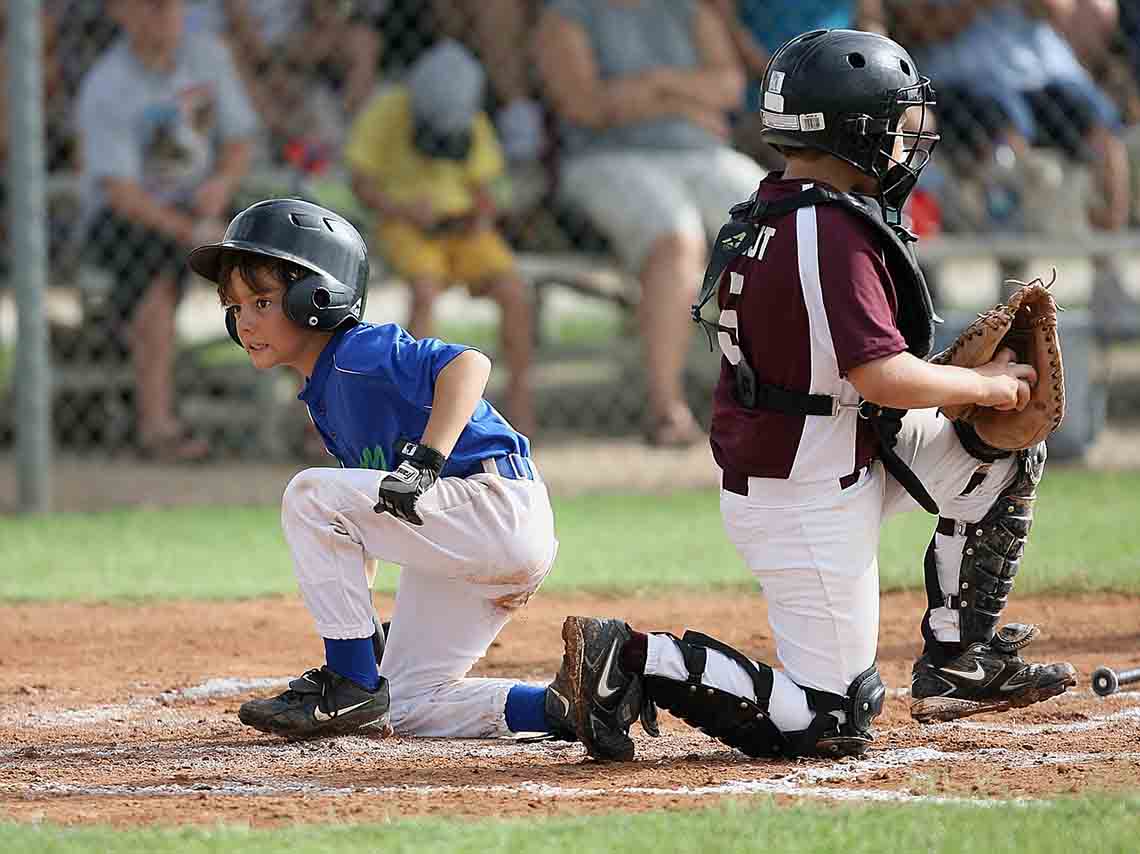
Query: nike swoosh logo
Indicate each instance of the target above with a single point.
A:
(977, 675)
(604, 689)
(321, 716)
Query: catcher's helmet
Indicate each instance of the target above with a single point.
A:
(312, 237)
(844, 92)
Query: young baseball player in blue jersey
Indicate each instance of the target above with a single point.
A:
(432, 479)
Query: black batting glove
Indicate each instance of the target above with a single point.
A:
(417, 472)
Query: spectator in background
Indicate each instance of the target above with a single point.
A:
(496, 31)
(643, 88)
(165, 135)
(308, 65)
(760, 27)
(423, 156)
(1005, 77)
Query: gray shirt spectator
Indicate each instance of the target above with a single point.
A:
(629, 39)
(165, 131)
(160, 130)
(643, 88)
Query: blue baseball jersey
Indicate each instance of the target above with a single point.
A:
(373, 386)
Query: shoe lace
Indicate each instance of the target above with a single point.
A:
(319, 676)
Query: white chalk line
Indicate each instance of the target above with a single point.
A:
(160, 710)
(1097, 722)
(732, 788)
(210, 689)
(801, 781)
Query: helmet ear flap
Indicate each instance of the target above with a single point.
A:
(231, 326)
(308, 300)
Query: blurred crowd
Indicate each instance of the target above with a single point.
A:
(459, 132)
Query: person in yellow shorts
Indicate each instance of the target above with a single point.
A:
(423, 155)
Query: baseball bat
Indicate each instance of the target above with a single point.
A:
(1107, 681)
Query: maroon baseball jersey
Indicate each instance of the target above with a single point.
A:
(814, 299)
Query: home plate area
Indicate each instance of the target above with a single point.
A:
(79, 754)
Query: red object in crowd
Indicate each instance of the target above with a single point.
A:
(306, 155)
(924, 213)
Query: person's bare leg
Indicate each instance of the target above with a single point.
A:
(421, 322)
(362, 47)
(669, 280)
(500, 27)
(516, 336)
(152, 354)
(1112, 176)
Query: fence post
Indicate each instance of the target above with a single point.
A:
(27, 214)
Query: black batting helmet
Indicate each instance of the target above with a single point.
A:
(844, 92)
(312, 237)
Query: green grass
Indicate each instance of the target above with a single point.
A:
(1100, 824)
(1083, 540)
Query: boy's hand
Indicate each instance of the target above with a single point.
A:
(1010, 383)
(417, 473)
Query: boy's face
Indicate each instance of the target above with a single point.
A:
(155, 25)
(270, 338)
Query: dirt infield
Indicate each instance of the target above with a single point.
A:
(125, 715)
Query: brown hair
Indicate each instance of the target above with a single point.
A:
(250, 266)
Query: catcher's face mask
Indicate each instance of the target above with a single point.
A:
(905, 145)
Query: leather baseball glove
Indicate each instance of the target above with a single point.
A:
(1027, 324)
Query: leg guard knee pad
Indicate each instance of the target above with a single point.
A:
(736, 721)
(850, 734)
(992, 552)
(841, 725)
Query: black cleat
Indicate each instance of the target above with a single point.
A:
(604, 700)
(320, 703)
(559, 714)
(983, 679)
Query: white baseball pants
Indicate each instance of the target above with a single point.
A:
(814, 549)
(486, 544)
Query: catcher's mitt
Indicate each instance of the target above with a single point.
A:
(1027, 324)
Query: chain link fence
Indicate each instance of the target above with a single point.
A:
(164, 117)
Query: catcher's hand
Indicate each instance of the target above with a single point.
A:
(417, 472)
(1017, 339)
(1014, 381)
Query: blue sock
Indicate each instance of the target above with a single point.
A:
(526, 709)
(354, 659)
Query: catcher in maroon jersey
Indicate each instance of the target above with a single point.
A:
(825, 423)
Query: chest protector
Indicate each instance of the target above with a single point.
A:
(916, 317)
(743, 233)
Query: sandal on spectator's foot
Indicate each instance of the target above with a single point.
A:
(679, 429)
(178, 447)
